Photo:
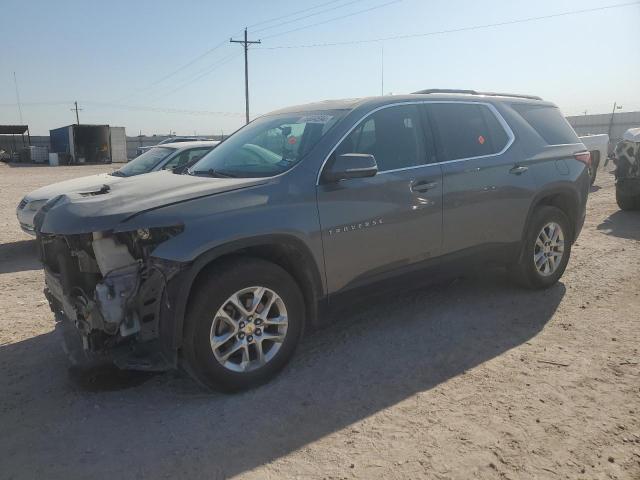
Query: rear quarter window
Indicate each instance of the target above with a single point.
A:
(548, 122)
(466, 130)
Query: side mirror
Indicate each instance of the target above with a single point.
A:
(351, 165)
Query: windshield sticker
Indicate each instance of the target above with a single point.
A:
(315, 119)
(292, 140)
(481, 140)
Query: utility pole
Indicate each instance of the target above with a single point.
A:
(17, 96)
(615, 107)
(246, 44)
(76, 109)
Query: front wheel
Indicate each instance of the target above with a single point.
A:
(243, 324)
(546, 249)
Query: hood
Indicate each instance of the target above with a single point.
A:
(105, 207)
(82, 184)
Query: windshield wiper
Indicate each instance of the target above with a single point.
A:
(212, 173)
(118, 173)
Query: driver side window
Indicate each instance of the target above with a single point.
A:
(393, 135)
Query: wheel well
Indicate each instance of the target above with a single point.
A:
(289, 257)
(565, 202)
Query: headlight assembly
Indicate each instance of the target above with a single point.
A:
(36, 205)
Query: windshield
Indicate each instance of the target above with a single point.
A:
(145, 163)
(268, 146)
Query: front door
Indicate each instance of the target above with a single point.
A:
(374, 226)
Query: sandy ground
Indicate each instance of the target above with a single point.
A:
(473, 379)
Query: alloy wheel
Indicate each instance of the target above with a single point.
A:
(549, 249)
(248, 329)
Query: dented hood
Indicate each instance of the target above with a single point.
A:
(105, 206)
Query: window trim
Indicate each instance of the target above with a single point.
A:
(503, 123)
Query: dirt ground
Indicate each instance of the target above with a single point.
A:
(471, 379)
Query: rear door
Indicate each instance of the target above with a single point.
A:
(487, 186)
(376, 226)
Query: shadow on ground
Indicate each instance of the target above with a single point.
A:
(19, 256)
(622, 224)
(370, 360)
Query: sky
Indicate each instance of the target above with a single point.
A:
(156, 67)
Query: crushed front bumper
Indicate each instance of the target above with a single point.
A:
(123, 317)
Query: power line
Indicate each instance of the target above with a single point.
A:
(293, 13)
(454, 30)
(307, 16)
(332, 19)
(128, 107)
(162, 110)
(174, 72)
(200, 74)
(36, 104)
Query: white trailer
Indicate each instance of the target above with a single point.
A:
(89, 144)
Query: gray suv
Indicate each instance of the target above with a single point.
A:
(220, 270)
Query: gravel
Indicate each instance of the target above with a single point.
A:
(469, 379)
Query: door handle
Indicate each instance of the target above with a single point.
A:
(518, 169)
(423, 186)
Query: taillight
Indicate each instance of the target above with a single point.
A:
(584, 157)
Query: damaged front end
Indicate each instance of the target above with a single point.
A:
(113, 294)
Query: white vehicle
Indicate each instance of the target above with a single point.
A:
(598, 146)
(141, 150)
(177, 156)
(627, 160)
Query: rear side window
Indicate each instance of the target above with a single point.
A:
(466, 130)
(548, 122)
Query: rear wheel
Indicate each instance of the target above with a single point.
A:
(243, 324)
(627, 202)
(546, 249)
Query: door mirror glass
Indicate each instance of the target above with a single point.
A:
(350, 165)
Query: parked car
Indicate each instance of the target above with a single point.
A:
(168, 156)
(141, 150)
(598, 147)
(220, 270)
(627, 160)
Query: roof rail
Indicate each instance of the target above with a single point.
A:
(473, 92)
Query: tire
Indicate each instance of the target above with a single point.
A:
(206, 321)
(627, 202)
(525, 272)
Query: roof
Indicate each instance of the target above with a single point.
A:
(13, 129)
(183, 145)
(352, 103)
